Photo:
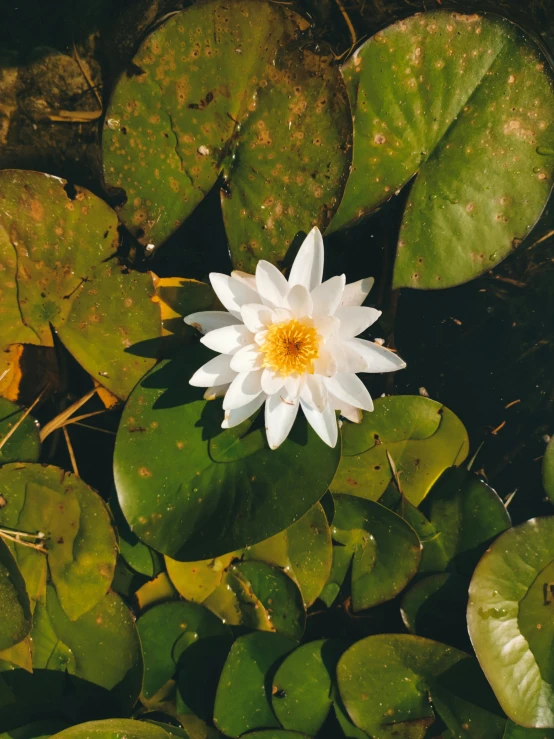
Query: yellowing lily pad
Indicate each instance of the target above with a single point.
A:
(78, 535)
(228, 88)
(59, 269)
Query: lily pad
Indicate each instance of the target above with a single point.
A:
(15, 609)
(303, 551)
(422, 437)
(242, 703)
(466, 515)
(511, 621)
(114, 728)
(304, 685)
(395, 684)
(259, 596)
(219, 493)
(23, 443)
(548, 470)
(137, 555)
(166, 631)
(383, 549)
(222, 88)
(79, 537)
(83, 669)
(35, 730)
(513, 731)
(158, 590)
(276, 734)
(58, 248)
(464, 104)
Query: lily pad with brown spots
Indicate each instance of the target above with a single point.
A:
(59, 271)
(230, 88)
(464, 104)
(77, 533)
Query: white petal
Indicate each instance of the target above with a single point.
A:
(256, 316)
(377, 358)
(280, 415)
(307, 268)
(248, 279)
(326, 326)
(293, 385)
(271, 284)
(325, 364)
(347, 411)
(259, 338)
(356, 292)
(209, 320)
(324, 424)
(247, 359)
(215, 372)
(299, 301)
(280, 315)
(327, 296)
(216, 391)
(314, 392)
(348, 388)
(233, 293)
(349, 357)
(354, 320)
(228, 340)
(238, 415)
(272, 382)
(245, 387)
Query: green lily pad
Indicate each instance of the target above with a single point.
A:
(511, 621)
(435, 607)
(422, 437)
(80, 540)
(219, 493)
(15, 609)
(466, 515)
(513, 731)
(229, 89)
(23, 444)
(83, 669)
(395, 684)
(548, 470)
(242, 702)
(303, 551)
(304, 685)
(115, 728)
(57, 254)
(259, 596)
(276, 734)
(166, 631)
(137, 555)
(35, 730)
(383, 549)
(464, 103)
(158, 590)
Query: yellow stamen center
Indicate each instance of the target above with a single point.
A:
(290, 347)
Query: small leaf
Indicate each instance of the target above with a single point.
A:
(464, 103)
(15, 609)
(229, 89)
(219, 493)
(115, 728)
(242, 702)
(304, 685)
(511, 623)
(166, 631)
(23, 443)
(80, 540)
(390, 684)
(421, 436)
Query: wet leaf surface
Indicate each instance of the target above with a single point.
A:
(23, 443)
(15, 609)
(511, 620)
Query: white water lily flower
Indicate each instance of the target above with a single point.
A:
(290, 344)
